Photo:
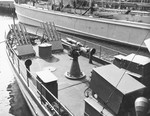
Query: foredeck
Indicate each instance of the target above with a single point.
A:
(70, 92)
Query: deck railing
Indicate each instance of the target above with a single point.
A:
(56, 108)
(102, 52)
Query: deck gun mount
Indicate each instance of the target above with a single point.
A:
(82, 49)
(75, 51)
(75, 72)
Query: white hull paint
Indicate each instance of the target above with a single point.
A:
(125, 32)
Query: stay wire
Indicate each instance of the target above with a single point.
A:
(124, 73)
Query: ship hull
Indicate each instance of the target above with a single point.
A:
(125, 32)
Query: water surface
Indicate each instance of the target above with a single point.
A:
(12, 102)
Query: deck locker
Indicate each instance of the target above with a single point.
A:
(137, 63)
(116, 91)
(49, 80)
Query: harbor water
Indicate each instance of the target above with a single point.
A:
(12, 102)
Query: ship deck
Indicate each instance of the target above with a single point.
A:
(70, 92)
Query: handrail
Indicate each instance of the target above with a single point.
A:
(101, 51)
(10, 50)
(58, 100)
(20, 64)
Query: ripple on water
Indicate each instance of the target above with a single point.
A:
(11, 100)
(17, 102)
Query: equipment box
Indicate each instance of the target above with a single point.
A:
(112, 86)
(49, 80)
(134, 63)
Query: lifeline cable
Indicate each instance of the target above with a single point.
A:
(124, 73)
